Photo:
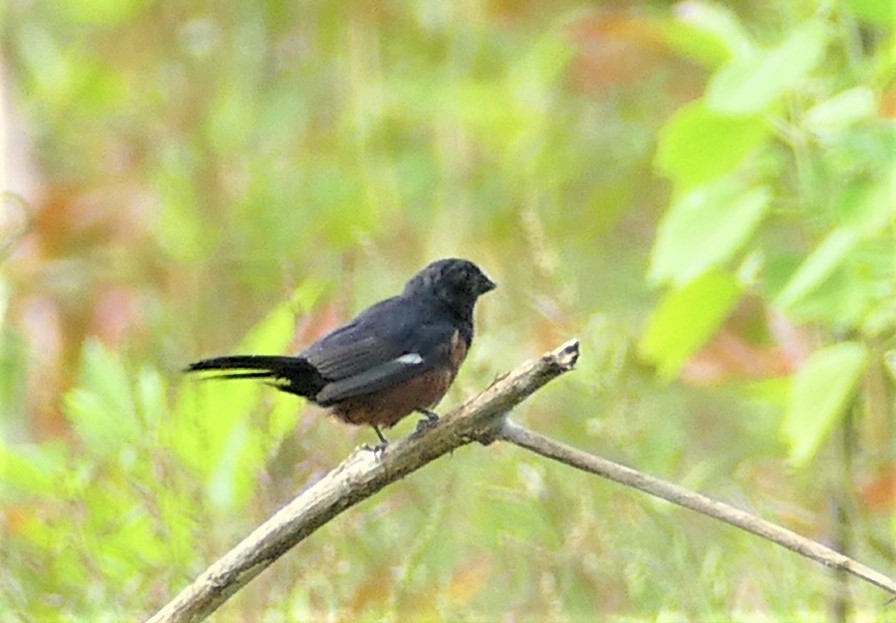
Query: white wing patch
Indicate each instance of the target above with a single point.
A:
(410, 359)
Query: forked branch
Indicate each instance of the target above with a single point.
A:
(481, 419)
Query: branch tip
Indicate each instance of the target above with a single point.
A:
(567, 355)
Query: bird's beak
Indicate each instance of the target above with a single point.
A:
(487, 285)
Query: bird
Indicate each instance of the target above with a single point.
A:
(397, 357)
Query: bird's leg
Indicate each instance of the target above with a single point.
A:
(380, 448)
(376, 429)
(431, 418)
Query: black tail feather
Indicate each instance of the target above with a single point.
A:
(294, 375)
(246, 362)
(238, 375)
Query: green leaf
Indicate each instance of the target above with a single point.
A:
(180, 525)
(864, 211)
(232, 476)
(821, 393)
(685, 319)
(210, 428)
(698, 145)
(750, 84)
(130, 544)
(204, 419)
(708, 33)
(273, 334)
(840, 301)
(704, 229)
(283, 416)
(151, 392)
(874, 209)
(34, 469)
(841, 111)
(820, 264)
(101, 407)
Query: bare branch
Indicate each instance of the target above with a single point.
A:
(551, 449)
(481, 419)
(358, 478)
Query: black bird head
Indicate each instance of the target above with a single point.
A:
(457, 283)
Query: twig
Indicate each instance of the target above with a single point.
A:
(551, 449)
(358, 478)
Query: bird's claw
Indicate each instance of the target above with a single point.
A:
(423, 425)
(430, 419)
(379, 450)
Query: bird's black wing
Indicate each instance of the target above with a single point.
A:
(389, 343)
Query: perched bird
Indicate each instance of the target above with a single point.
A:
(396, 357)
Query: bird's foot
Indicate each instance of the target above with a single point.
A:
(379, 450)
(430, 419)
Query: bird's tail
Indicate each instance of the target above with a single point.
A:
(295, 375)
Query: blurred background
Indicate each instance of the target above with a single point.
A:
(702, 193)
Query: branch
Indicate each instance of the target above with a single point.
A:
(482, 419)
(358, 478)
(551, 449)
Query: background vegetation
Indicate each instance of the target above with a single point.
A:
(703, 193)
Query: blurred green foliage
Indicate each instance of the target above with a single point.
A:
(704, 195)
